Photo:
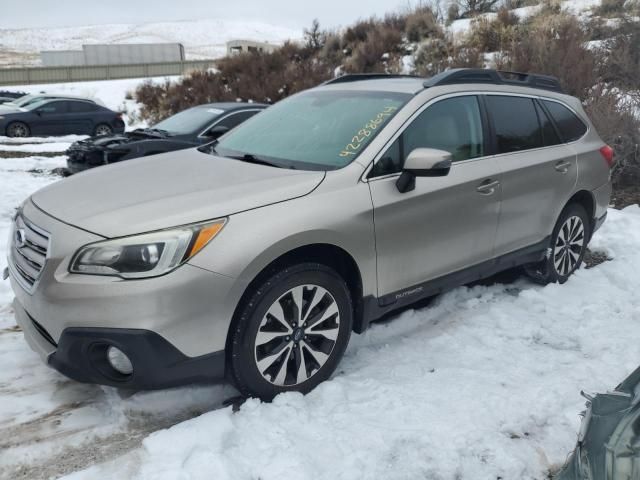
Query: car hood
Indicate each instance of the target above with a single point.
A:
(6, 110)
(167, 190)
(105, 141)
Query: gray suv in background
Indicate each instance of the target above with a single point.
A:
(254, 258)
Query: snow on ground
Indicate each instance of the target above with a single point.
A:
(50, 425)
(36, 147)
(483, 383)
(201, 38)
(112, 93)
(34, 140)
(579, 8)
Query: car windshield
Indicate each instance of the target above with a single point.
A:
(189, 121)
(20, 101)
(315, 130)
(35, 104)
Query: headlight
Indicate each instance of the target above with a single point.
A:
(147, 255)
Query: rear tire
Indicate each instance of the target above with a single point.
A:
(18, 130)
(291, 332)
(102, 129)
(568, 245)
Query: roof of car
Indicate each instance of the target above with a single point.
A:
(55, 96)
(410, 85)
(511, 81)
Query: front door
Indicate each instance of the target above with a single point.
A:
(445, 224)
(51, 118)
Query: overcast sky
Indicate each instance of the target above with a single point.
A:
(291, 13)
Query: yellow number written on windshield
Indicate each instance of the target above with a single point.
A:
(360, 138)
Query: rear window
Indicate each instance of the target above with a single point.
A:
(81, 107)
(570, 126)
(515, 122)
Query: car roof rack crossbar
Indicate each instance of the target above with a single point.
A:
(494, 77)
(354, 77)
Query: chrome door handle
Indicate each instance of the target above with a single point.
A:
(562, 167)
(487, 187)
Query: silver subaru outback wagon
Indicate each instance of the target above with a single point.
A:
(254, 258)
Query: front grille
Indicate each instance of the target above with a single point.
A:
(29, 248)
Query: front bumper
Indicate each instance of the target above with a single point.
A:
(81, 354)
(174, 327)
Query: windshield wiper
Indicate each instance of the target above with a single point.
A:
(250, 158)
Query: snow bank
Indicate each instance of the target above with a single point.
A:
(483, 384)
(202, 38)
(580, 8)
(35, 147)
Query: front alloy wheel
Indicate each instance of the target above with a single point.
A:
(290, 331)
(18, 130)
(297, 335)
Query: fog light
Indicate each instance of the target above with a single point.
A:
(119, 361)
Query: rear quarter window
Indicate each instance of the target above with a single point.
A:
(570, 126)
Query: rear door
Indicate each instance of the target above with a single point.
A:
(81, 116)
(445, 224)
(539, 172)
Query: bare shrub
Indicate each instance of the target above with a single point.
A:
(494, 35)
(422, 23)
(372, 54)
(261, 77)
(554, 45)
(616, 120)
(610, 8)
(440, 54)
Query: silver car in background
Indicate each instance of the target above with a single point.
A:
(256, 257)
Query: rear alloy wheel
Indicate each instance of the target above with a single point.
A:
(18, 130)
(292, 332)
(102, 129)
(568, 246)
(570, 243)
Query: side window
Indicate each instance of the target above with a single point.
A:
(390, 162)
(81, 107)
(515, 122)
(549, 134)
(235, 119)
(54, 107)
(453, 125)
(570, 126)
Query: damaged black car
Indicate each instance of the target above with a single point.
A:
(189, 128)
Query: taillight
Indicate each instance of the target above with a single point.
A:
(607, 154)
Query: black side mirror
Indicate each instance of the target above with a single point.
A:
(217, 131)
(423, 162)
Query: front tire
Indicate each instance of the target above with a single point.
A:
(567, 247)
(291, 332)
(18, 130)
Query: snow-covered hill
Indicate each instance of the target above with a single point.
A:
(201, 38)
